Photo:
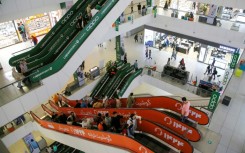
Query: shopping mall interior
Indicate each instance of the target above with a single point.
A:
(159, 50)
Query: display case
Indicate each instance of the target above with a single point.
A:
(37, 25)
(8, 35)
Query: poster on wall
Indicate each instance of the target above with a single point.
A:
(37, 25)
(212, 13)
(31, 143)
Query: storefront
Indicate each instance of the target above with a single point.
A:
(8, 35)
(201, 52)
(183, 5)
(36, 25)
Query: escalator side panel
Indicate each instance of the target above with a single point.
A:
(116, 140)
(168, 103)
(191, 133)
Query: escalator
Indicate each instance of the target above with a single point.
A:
(103, 81)
(106, 138)
(127, 81)
(56, 30)
(169, 103)
(61, 58)
(178, 127)
(59, 42)
(109, 92)
(178, 117)
(151, 143)
(110, 82)
(156, 138)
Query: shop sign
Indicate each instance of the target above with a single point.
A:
(234, 60)
(226, 77)
(149, 3)
(229, 49)
(213, 101)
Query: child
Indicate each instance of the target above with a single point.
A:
(34, 40)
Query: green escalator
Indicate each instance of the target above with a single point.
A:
(111, 81)
(104, 80)
(63, 57)
(56, 30)
(127, 81)
(118, 80)
(59, 42)
(151, 143)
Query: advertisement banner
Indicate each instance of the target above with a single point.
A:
(113, 139)
(234, 60)
(191, 133)
(214, 100)
(31, 143)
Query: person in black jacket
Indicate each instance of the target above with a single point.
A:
(115, 122)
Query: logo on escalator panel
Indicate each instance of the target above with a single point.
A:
(93, 22)
(143, 149)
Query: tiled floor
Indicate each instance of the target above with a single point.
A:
(228, 121)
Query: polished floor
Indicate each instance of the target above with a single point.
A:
(228, 121)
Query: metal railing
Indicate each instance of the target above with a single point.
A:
(189, 86)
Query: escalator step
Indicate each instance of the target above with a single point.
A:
(151, 145)
(144, 140)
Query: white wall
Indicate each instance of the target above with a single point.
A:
(15, 9)
(18, 134)
(228, 3)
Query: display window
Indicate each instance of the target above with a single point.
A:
(183, 5)
(8, 35)
(36, 25)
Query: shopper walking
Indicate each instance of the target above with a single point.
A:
(185, 109)
(141, 38)
(150, 54)
(194, 5)
(146, 53)
(139, 8)
(21, 30)
(208, 70)
(136, 65)
(132, 7)
(213, 62)
(174, 54)
(24, 71)
(215, 72)
(34, 40)
(136, 37)
(130, 100)
(143, 12)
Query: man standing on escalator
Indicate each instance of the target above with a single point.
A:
(130, 100)
(185, 109)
